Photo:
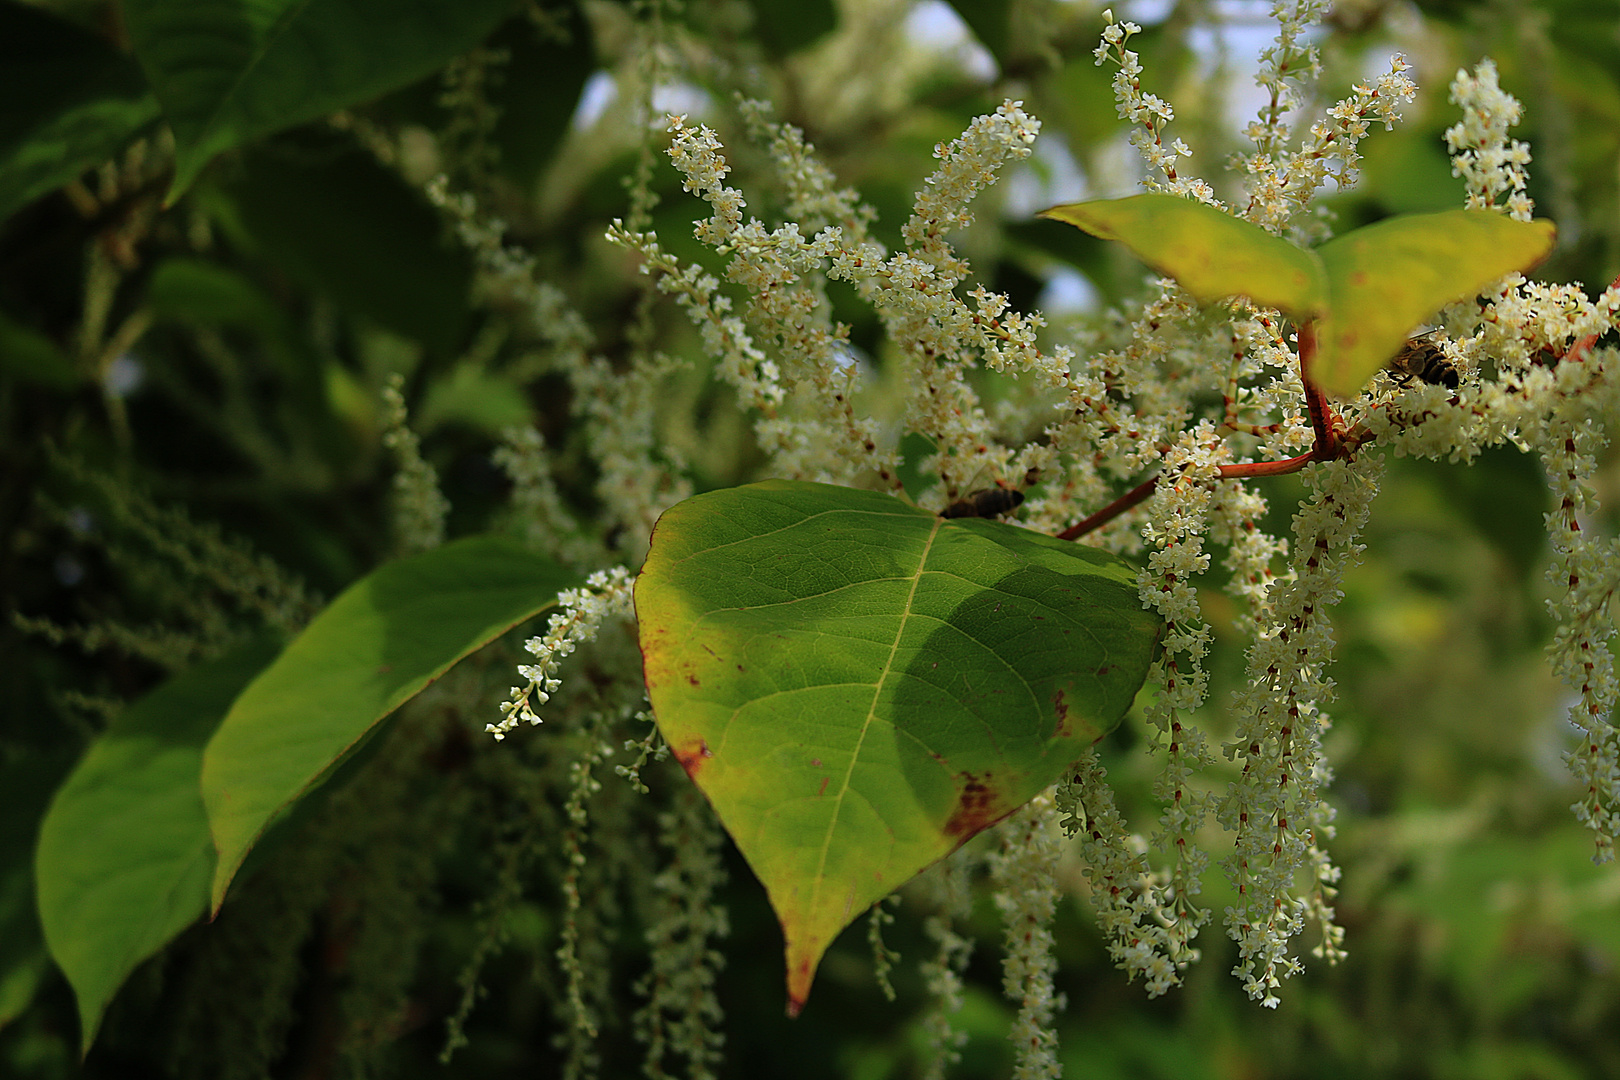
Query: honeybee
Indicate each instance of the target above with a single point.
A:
(1423, 359)
(985, 503)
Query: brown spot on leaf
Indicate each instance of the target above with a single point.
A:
(693, 679)
(692, 755)
(822, 790)
(799, 976)
(978, 806)
(1061, 708)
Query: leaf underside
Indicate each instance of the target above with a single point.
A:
(1390, 276)
(1210, 253)
(859, 686)
(1368, 290)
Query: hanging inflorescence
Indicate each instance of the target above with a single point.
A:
(1137, 397)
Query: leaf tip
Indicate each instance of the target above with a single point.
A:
(801, 972)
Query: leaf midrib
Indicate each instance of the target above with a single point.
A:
(871, 715)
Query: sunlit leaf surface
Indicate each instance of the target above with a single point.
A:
(1387, 278)
(1211, 254)
(375, 647)
(1368, 290)
(859, 686)
(124, 855)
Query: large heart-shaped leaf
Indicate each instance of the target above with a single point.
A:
(228, 71)
(1368, 289)
(124, 855)
(378, 645)
(859, 686)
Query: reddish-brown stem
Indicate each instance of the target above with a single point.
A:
(1332, 443)
(1324, 422)
(1111, 511)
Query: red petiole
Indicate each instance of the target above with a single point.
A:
(1332, 443)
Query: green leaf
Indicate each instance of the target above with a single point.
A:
(1211, 254)
(27, 782)
(29, 356)
(70, 102)
(378, 645)
(340, 223)
(1387, 278)
(539, 89)
(124, 854)
(1367, 289)
(859, 686)
(196, 291)
(228, 71)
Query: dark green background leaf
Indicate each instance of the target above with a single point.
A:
(29, 356)
(228, 71)
(339, 222)
(787, 28)
(68, 102)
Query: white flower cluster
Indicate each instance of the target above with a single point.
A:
(948, 883)
(1151, 114)
(1276, 809)
(607, 594)
(546, 524)
(617, 410)
(1149, 924)
(1282, 184)
(940, 334)
(1287, 66)
(419, 506)
(1481, 153)
(1585, 574)
(1024, 873)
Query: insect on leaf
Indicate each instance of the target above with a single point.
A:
(1388, 277)
(860, 686)
(1211, 254)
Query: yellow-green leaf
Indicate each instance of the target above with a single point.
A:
(1211, 254)
(859, 686)
(1387, 278)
